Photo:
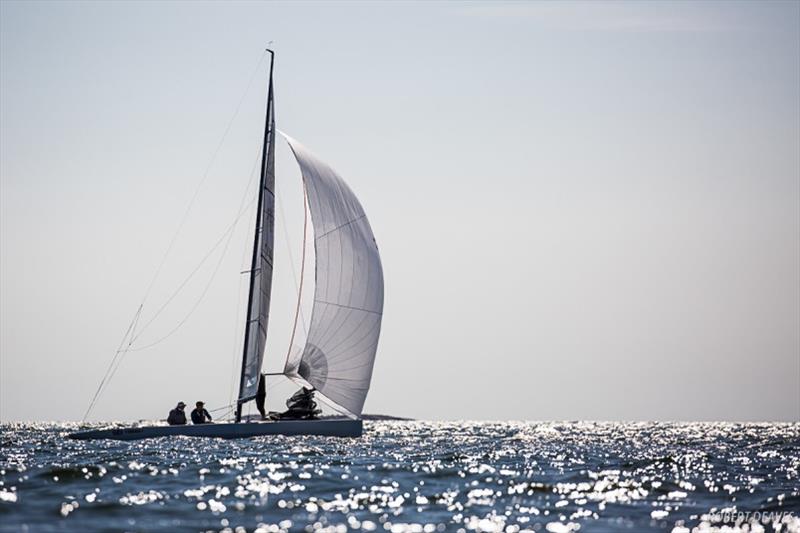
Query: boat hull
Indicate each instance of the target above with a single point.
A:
(330, 428)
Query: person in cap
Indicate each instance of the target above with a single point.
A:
(200, 415)
(177, 417)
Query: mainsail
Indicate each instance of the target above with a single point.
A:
(348, 295)
(261, 264)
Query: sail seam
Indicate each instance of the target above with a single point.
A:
(349, 307)
(340, 227)
(323, 336)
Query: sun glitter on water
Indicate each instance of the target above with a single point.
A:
(412, 476)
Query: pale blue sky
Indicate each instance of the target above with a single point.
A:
(585, 210)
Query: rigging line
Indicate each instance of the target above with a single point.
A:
(333, 405)
(180, 226)
(203, 179)
(236, 326)
(196, 304)
(116, 354)
(220, 408)
(136, 321)
(297, 286)
(302, 277)
(299, 380)
(191, 311)
(229, 233)
(123, 353)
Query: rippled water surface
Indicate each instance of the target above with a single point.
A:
(410, 476)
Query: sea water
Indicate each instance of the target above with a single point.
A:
(411, 476)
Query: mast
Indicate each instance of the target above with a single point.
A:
(268, 134)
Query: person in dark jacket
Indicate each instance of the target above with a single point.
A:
(301, 405)
(200, 415)
(177, 417)
(261, 396)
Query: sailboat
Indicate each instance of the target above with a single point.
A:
(342, 338)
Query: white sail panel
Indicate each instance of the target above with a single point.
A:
(261, 274)
(348, 295)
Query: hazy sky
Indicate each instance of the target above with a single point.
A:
(585, 210)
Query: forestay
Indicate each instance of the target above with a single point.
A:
(348, 295)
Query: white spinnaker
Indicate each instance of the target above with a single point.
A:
(258, 314)
(348, 295)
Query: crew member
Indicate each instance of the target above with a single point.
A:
(261, 396)
(200, 415)
(177, 417)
